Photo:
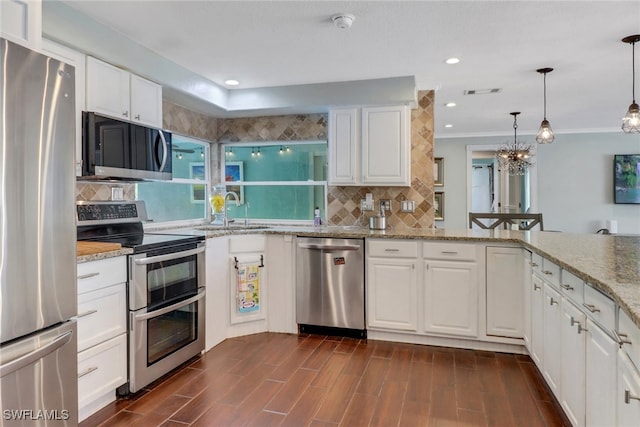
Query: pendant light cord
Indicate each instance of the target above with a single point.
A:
(633, 71)
(544, 96)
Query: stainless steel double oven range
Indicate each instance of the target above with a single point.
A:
(166, 288)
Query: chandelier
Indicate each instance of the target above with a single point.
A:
(514, 157)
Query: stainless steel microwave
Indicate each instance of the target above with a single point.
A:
(113, 148)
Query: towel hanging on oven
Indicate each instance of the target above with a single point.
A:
(248, 286)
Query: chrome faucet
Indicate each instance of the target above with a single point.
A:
(235, 196)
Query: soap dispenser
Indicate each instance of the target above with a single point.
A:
(317, 221)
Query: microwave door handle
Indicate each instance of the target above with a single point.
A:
(173, 307)
(168, 257)
(35, 355)
(164, 150)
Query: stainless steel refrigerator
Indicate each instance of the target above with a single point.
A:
(38, 345)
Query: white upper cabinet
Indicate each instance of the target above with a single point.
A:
(386, 146)
(370, 146)
(117, 93)
(21, 22)
(344, 164)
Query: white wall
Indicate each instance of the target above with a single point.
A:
(575, 181)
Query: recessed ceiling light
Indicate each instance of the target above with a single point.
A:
(450, 104)
(448, 126)
(231, 82)
(452, 60)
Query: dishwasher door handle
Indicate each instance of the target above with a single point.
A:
(329, 247)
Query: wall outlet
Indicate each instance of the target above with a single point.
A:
(366, 206)
(117, 193)
(407, 206)
(386, 203)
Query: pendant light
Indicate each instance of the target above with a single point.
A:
(631, 122)
(514, 158)
(545, 134)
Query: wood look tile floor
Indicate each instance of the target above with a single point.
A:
(274, 379)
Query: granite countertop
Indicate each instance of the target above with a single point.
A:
(103, 255)
(608, 262)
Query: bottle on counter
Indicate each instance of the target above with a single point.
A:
(317, 221)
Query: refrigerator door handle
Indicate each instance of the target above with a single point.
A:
(35, 355)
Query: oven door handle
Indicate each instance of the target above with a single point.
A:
(168, 257)
(173, 307)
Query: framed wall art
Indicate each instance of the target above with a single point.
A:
(438, 171)
(438, 205)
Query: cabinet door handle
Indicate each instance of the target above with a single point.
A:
(88, 275)
(391, 250)
(125, 113)
(592, 308)
(536, 287)
(566, 287)
(88, 371)
(547, 272)
(533, 264)
(621, 338)
(87, 313)
(137, 117)
(577, 322)
(449, 252)
(552, 301)
(628, 396)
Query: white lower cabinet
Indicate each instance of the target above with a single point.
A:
(537, 320)
(101, 369)
(505, 292)
(102, 333)
(392, 285)
(600, 373)
(451, 298)
(392, 294)
(551, 352)
(572, 362)
(627, 392)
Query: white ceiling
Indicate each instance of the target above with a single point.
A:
(500, 45)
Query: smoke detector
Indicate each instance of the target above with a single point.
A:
(343, 20)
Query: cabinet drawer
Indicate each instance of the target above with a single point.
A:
(392, 248)
(102, 315)
(452, 251)
(550, 272)
(536, 263)
(629, 336)
(572, 287)
(98, 274)
(101, 369)
(600, 308)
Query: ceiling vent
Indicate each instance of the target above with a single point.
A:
(481, 91)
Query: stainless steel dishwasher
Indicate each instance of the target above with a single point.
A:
(330, 286)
